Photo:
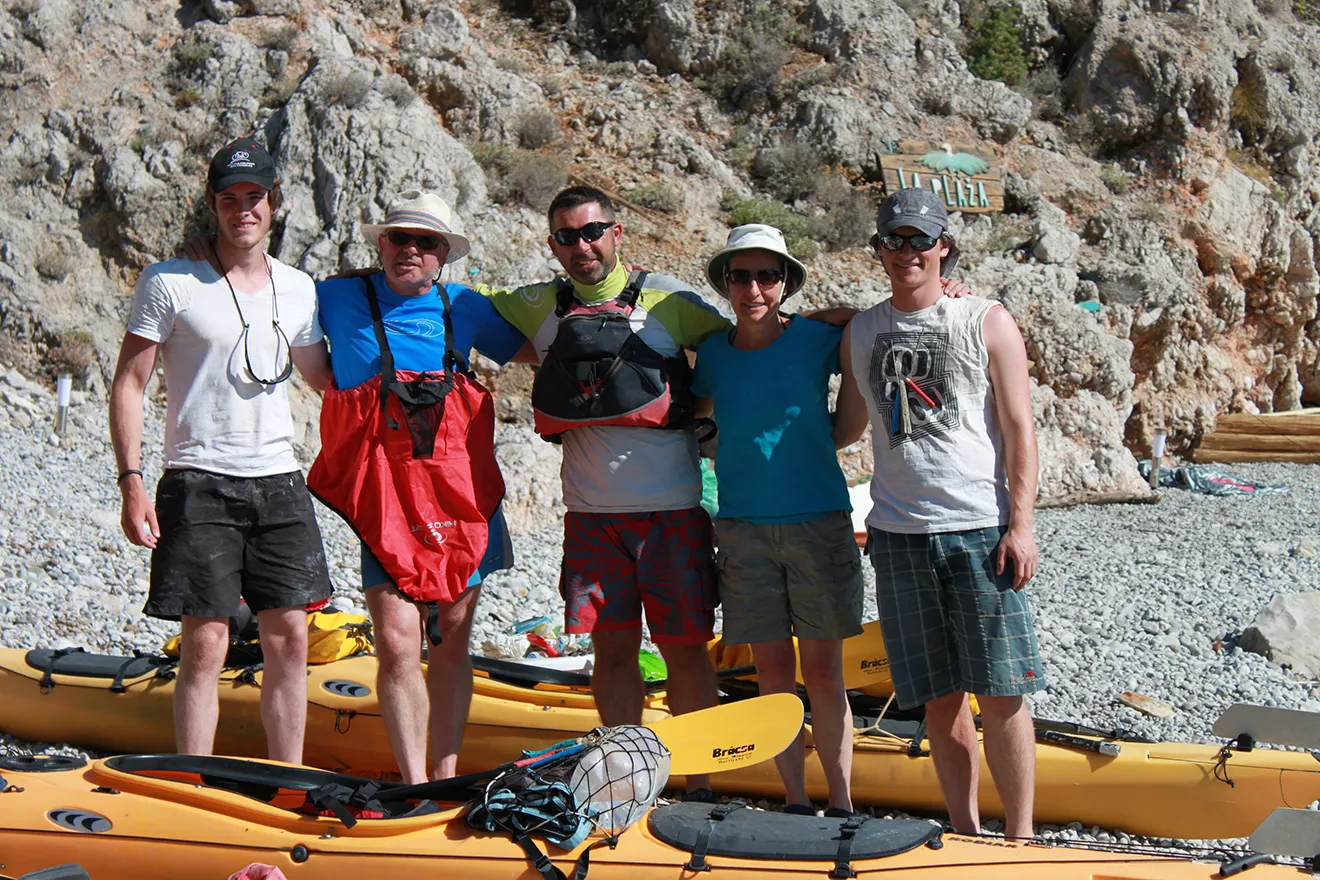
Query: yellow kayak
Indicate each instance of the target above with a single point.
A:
(179, 816)
(1157, 789)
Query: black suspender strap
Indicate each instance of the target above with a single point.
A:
(389, 379)
(636, 280)
(433, 634)
(564, 294)
(387, 375)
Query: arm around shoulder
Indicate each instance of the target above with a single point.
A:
(850, 414)
(313, 363)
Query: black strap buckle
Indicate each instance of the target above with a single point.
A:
(699, 850)
(47, 682)
(843, 869)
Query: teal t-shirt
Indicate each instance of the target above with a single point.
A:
(776, 461)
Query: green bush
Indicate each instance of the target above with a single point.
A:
(747, 72)
(517, 175)
(796, 228)
(656, 196)
(536, 128)
(1307, 11)
(73, 352)
(849, 215)
(192, 54)
(790, 171)
(995, 49)
(1118, 180)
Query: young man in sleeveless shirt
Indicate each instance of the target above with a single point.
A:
(232, 516)
(944, 384)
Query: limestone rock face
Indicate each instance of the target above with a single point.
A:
(1287, 633)
(1169, 180)
(1082, 377)
(342, 165)
(478, 98)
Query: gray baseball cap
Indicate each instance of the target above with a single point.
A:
(922, 210)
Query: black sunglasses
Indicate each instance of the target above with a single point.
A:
(591, 232)
(403, 239)
(764, 277)
(919, 242)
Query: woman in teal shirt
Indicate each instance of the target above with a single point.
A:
(788, 561)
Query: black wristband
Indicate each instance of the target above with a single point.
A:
(127, 473)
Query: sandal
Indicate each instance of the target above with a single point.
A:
(800, 810)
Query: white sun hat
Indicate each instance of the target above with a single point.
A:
(756, 236)
(419, 211)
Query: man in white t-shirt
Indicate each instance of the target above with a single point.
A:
(232, 516)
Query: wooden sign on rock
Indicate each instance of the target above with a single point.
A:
(966, 181)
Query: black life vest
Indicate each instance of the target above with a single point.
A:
(599, 372)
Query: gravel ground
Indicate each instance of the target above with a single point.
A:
(1135, 597)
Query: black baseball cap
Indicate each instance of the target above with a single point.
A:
(922, 210)
(241, 161)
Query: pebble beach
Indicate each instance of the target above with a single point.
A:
(1147, 598)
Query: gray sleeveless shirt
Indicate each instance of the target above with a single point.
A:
(941, 468)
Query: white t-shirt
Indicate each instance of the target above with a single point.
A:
(218, 418)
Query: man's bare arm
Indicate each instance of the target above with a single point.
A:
(1012, 386)
(850, 414)
(313, 362)
(137, 358)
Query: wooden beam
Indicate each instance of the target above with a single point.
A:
(1220, 441)
(1231, 455)
(1072, 499)
(1298, 421)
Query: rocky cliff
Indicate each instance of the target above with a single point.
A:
(1158, 245)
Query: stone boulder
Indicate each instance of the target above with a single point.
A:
(342, 162)
(1082, 376)
(479, 99)
(1287, 633)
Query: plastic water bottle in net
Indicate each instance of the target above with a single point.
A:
(619, 778)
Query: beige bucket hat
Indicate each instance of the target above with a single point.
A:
(756, 236)
(419, 211)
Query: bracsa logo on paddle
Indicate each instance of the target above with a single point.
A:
(733, 751)
(80, 821)
(880, 664)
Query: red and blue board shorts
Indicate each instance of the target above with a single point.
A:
(617, 564)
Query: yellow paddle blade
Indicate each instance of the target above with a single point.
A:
(865, 662)
(733, 735)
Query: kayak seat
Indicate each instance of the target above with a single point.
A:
(737, 831)
(84, 665)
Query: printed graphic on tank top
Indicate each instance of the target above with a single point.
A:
(912, 385)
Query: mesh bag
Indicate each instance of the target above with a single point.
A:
(605, 782)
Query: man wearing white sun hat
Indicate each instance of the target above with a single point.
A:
(422, 575)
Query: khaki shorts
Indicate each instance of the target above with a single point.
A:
(799, 579)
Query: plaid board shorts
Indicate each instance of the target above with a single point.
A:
(950, 623)
(616, 564)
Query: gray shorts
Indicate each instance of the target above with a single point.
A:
(950, 623)
(799, 579)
